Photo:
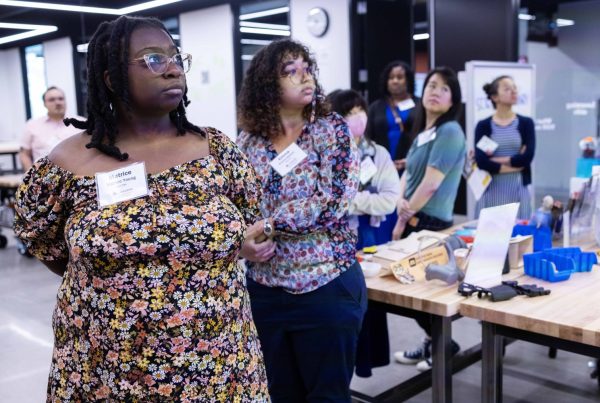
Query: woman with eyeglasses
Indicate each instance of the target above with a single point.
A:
(309, 298)
(143, 215)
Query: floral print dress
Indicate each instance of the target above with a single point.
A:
(309, 206)
(153, 304)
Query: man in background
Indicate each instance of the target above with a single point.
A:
(43, 134)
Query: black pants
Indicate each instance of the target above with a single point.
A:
(309, 340)
(425, 222)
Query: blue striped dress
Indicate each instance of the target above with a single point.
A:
(506, 187)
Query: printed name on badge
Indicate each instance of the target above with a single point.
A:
(288, 159)
(486, 144)
(406, 104)
(121, 184)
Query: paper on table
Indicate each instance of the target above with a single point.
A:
(478, 182)
(392, 255)
(490, 247)
(398, 250)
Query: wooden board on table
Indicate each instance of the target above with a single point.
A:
(570, 312)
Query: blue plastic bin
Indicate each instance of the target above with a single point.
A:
(557, 264)
(542, 236)
(585, 166)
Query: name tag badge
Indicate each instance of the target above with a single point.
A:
(368, 169)
(426, 136)
(288, 159)
(486, 144)
(121, 184)
(406, 104)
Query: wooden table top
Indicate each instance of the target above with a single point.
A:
(427, 296)
(9, 147)
(11, 181)
(570, 312)
(435, 297)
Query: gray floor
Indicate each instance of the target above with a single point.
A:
(27, 295)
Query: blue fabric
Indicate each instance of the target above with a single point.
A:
(394, 130)
(309, 340)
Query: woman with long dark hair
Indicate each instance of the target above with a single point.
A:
(430, 182)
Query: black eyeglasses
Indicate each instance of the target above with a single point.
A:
(158, 63)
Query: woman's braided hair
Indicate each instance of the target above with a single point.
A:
(108, 50)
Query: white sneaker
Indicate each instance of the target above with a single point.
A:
(425, 364)
(412, 357)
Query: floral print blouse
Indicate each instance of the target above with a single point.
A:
(153, 305)
(309, 206)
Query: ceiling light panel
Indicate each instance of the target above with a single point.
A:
(85, 9)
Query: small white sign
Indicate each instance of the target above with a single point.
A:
(406, 104)
(368, 169)
(478, 182)
(487, 145)
(288, 159)
(490, 247)
(121, 184)
(426, 136)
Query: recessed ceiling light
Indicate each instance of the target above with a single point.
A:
(31, 31)
(85, 9)
(563, 22)
(526, 17)
(263, 25)
(264, 31)
(265, 13)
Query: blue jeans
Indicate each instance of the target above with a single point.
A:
(309, 340)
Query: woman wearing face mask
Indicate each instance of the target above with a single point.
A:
(379, 180)
(510, 163)
(430, 182)
(378, 193)
(308, 301)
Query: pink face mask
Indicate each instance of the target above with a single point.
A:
(357, 123)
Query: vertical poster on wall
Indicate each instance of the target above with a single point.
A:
(478, 73)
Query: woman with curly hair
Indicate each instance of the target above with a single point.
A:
(308, 301)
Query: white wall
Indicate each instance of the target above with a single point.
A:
(567, 73)
(12, 98)
(208, 35)
(58, 56)
(332, 51)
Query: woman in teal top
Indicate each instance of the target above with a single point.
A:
(430, 182)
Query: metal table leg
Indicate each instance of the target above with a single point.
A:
(441, 351)
(491, 364)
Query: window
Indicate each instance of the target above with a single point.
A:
(36, 79)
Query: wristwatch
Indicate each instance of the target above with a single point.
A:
(268, 228)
